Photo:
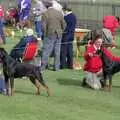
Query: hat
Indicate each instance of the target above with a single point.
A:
(29, 32)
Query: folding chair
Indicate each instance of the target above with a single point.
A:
(29, 52)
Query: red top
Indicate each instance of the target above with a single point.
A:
(1, 11)
(30, 51)
(110, 55)
(12, 12)
(94, 63)
(111, 23)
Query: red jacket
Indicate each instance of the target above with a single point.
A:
(94, 63)
(111, 23)
(1, 12)
(110, 55)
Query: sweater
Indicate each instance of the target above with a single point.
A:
(94, 63)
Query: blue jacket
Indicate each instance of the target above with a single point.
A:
(26, 3)
(70, 20)
(24, 41)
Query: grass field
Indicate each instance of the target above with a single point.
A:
(68, 101)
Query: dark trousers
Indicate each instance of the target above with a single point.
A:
(66, 57)
(51, 44)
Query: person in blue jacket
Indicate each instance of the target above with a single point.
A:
(24, 7)
(66, 59)
(18, 50)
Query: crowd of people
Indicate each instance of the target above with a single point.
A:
(55, 26)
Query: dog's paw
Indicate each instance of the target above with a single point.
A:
(107, 88)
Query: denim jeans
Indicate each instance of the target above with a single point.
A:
(38, 28)
(50, 44)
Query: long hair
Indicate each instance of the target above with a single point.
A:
(98, 36)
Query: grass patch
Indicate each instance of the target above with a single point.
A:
(69, 101)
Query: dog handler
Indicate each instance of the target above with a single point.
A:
(19, 48)
(93, 64)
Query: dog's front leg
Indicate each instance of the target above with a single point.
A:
(105, 82)
(6, 86)
(6, 83)
(11, 85)
(110, 83)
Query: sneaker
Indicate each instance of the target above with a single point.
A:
(39, 39)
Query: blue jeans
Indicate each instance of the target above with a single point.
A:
(38, 28)
(50, 44)
(2, 84)
(2, 36)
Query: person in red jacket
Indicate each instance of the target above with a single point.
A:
(1, 12)
(2, 27)
(93, 64)
(110, 55)
(112, 23)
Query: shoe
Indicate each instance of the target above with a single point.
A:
(102, 83)
(39, 39)
(62, 67)
(84, 82)
(55, 69)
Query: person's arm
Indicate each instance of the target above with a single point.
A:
(44, 23)
(89, 52)
(73, 24)
(110, 55)
(62, 22)
(21, 43)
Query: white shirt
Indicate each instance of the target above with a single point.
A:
(67, 13)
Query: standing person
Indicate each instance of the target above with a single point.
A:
(67, 39)
(93, 64)
(112, 23)
(38, 9)
(53, 26)
(2, 28)
(18, 49)
(24, 12)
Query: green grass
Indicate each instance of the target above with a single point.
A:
(68, 101)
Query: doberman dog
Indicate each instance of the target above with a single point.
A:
(110, 67)
(13, 69)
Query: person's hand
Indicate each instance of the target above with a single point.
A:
(39, 39)
(89, 42)
(90, 54)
